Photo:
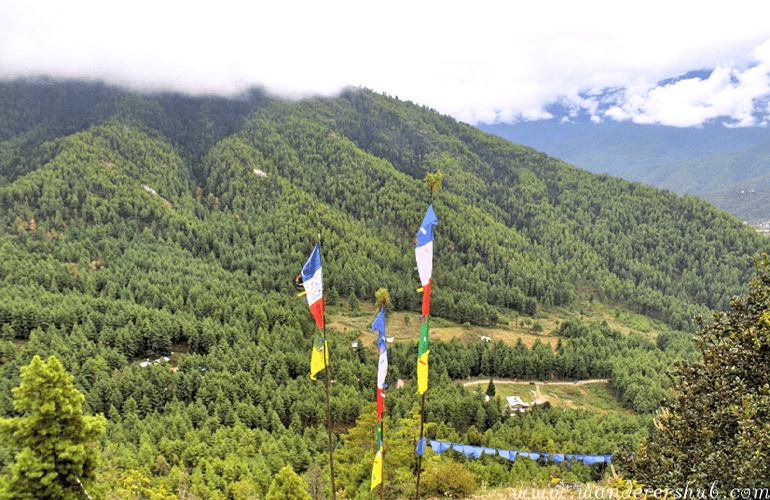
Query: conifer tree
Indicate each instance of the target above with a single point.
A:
(58, 456)
(287, 485)
(491, 388)
(315, 482)
(717, 427)
(353, 302)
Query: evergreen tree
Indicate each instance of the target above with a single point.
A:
(58, 456)
(332, 297)
(353, 303)
(315, 482)
(287, 485)
(491, 389)
(716, 428)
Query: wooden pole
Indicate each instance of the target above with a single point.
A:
(329, 424)
(328, 404)
(419, 457)
(382, 479)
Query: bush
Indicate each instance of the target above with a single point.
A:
(448, 479)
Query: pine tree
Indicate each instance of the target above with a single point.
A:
(315, 482)
(491, 389)
(287, 485)
(58, 457)
(716, 429)
(353, 303)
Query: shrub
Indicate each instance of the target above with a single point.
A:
(448, 479)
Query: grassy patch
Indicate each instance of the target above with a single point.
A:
(594, 397)
(510, 327)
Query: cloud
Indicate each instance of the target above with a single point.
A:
(728, 92)
(497, 61)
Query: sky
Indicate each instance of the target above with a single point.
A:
(494, 62)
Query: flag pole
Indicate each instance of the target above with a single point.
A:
(382, 434)
(382, 372)
(419, 457)
(329, 425)
(328, 405)
(423, 249)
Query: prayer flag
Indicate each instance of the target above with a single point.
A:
(382, 369)
(423, 252)
(377, 469)
(312, 278)
(319, 358)
(422, 358)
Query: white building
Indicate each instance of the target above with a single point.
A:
(516, 404)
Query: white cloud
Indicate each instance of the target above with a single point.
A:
(494, 61)
(728, 92)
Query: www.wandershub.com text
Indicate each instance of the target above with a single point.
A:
(686, 492)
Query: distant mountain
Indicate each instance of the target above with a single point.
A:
(714, 161)
(744, 169)
(752, 205)
(626, 148)
(696, 161)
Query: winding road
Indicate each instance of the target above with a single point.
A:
(530, 382)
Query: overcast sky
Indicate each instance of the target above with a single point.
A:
(482, 62)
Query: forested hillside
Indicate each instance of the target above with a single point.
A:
(720, 164)
(137, 226)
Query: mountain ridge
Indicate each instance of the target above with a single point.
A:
(710, 161)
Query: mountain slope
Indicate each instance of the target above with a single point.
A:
(713, 161)
(615, 148)
(521, 228)
(710, 173)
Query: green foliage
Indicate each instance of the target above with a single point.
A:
(381, 298)
(448, 478)
(287, 485)
(353, 303)
(490, 389)
(716, 427)
(57, 456)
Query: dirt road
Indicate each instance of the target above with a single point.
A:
(529, 382)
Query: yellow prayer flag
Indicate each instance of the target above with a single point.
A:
(377, 469)
(318, 360)
(422, 373)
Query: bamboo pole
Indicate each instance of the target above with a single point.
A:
(419, 457)
(382, 479)
(328, 397)
(329, 423)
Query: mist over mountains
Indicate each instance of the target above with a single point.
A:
(717, 161)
